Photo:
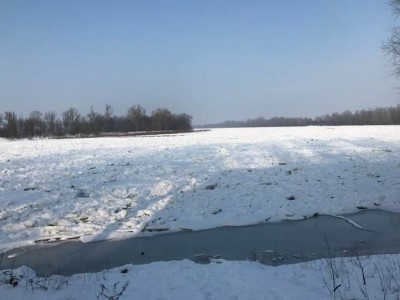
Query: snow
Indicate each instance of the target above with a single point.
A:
(351, 222)
(218, 280)
(118, 187)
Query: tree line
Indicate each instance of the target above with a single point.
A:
(376, 116)
(72, 123)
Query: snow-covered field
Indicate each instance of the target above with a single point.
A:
(340, 278)
(119, 187)
(103, 188)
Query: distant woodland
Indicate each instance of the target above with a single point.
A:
(72, 123)
(377, 116)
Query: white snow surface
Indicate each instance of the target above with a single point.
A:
(103, 188)
(339, 278)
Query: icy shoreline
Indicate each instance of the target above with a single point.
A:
(369, 232)
(95, 189)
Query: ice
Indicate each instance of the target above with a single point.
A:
(102, 188)
(351, 222)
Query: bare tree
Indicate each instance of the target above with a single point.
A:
(135, 116)
(96, 121)
(108, 125)
(35, 119)
(395, 5)
(71, 121)
(109, 111)
(11, 128)
(392, 46)
(182, 122)
(50, 122)
(161, 119)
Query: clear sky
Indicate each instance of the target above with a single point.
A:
(216, 60)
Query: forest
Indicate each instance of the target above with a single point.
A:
(376, 116)
(73, 123)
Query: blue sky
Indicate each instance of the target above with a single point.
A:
(216, 60)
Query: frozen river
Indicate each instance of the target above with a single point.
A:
(202, 190)
(365, 233)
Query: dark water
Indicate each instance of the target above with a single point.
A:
(271, 243)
